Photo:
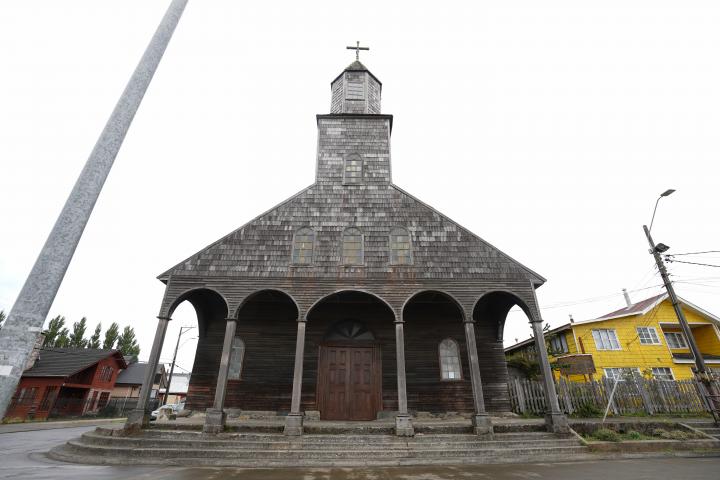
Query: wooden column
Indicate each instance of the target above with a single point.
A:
(215, 416)
(555, 420)
(294, 420)
(403, 423)
(140, 416)
(481, 420)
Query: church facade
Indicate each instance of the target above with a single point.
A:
(352, 298)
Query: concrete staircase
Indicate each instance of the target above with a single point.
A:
(707, 427)
(159, 446)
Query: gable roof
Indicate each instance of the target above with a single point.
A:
(64, 362)
(531, 340)
(441, 248)
(134, 374)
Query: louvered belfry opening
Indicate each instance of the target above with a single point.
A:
(350, 357)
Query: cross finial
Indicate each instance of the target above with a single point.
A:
(357, 49)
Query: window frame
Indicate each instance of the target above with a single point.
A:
(564, 347)
(358, 180)
(649, 329)
(359, 233)
(614, 332)
(293, 259)
(456, 346)
(233, 348)
(676, 335)
(621, 369)
(391, 249)
(669, 371)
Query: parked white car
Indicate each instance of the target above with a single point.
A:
(176, 408)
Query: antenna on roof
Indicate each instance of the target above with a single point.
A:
(572, 320)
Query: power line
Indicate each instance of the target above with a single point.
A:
(671, 260)
(696, 253)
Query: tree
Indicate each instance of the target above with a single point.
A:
(95, 339)
(111, 336)
(2, 317)
(63, 340)
(77, 337)
(127, 343)
(54, 331)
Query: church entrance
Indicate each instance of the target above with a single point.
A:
(349, 373)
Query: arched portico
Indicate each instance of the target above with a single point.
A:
(257, 348)
(490, 312)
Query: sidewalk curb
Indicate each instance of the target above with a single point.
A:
(37, 426)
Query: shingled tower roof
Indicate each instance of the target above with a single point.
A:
(355, 131)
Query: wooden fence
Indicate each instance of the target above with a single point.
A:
(631, 396)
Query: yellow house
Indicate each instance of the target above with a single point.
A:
(643, 337)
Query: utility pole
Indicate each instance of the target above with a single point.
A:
(27, 316)
(656, 250)
(172, 365)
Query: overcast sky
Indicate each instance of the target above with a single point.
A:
(547, 128)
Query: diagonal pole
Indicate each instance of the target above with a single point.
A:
(28, 314)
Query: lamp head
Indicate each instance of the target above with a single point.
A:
(667, 192)
(661, 248)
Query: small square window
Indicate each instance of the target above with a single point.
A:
(648, 336)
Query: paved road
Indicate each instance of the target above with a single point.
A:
(22, 457)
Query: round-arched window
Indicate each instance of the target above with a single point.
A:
(303, 244)
(353, 251)
(449, 352)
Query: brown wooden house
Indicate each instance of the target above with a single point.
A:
(352, 298)
(66, 382)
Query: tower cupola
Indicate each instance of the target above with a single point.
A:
(356, 90)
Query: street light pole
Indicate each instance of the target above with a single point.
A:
(699, 360)
(172, 366)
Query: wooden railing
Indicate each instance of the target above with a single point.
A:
(634, 396)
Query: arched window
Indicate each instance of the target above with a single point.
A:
(400, 247)
(353, 172)
(352, 247)
(450, 360)
(237, 355)
(303, 243)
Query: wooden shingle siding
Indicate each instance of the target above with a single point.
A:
(445, 257)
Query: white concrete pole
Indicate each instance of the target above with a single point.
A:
(27, 316)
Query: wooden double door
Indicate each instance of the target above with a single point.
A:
(349, 382)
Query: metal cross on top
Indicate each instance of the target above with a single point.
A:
(357, 49)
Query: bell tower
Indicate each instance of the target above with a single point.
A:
(356, 90)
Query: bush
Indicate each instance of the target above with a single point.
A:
(606, 435)
(587, 410)
(679, 435)
(634, 435)
(661, 432)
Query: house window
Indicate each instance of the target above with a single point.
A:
(400, 247)
(622, 373)
(558, 344)
(104, 398)
(26, 396)
(48, 398)
(605, 339)
(303, 243)
(106, 374)
(236, 359)
(662, 373)
(675, 340)
(353, 172)
(450, 360)
(648, 336)
(352, 247)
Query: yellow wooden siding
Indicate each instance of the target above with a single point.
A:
(632, 353)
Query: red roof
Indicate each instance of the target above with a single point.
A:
(635, 309)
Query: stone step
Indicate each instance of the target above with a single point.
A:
(303, 454)
(310, 443)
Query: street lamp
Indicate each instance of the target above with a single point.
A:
(667, 192)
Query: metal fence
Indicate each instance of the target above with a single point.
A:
(633, 396)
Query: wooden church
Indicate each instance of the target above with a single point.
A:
(352, 298)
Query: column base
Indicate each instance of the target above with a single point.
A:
(482, 425)
(403, 426)
(293, 424)
(137, 419)
(556, 423)
(214, 421)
